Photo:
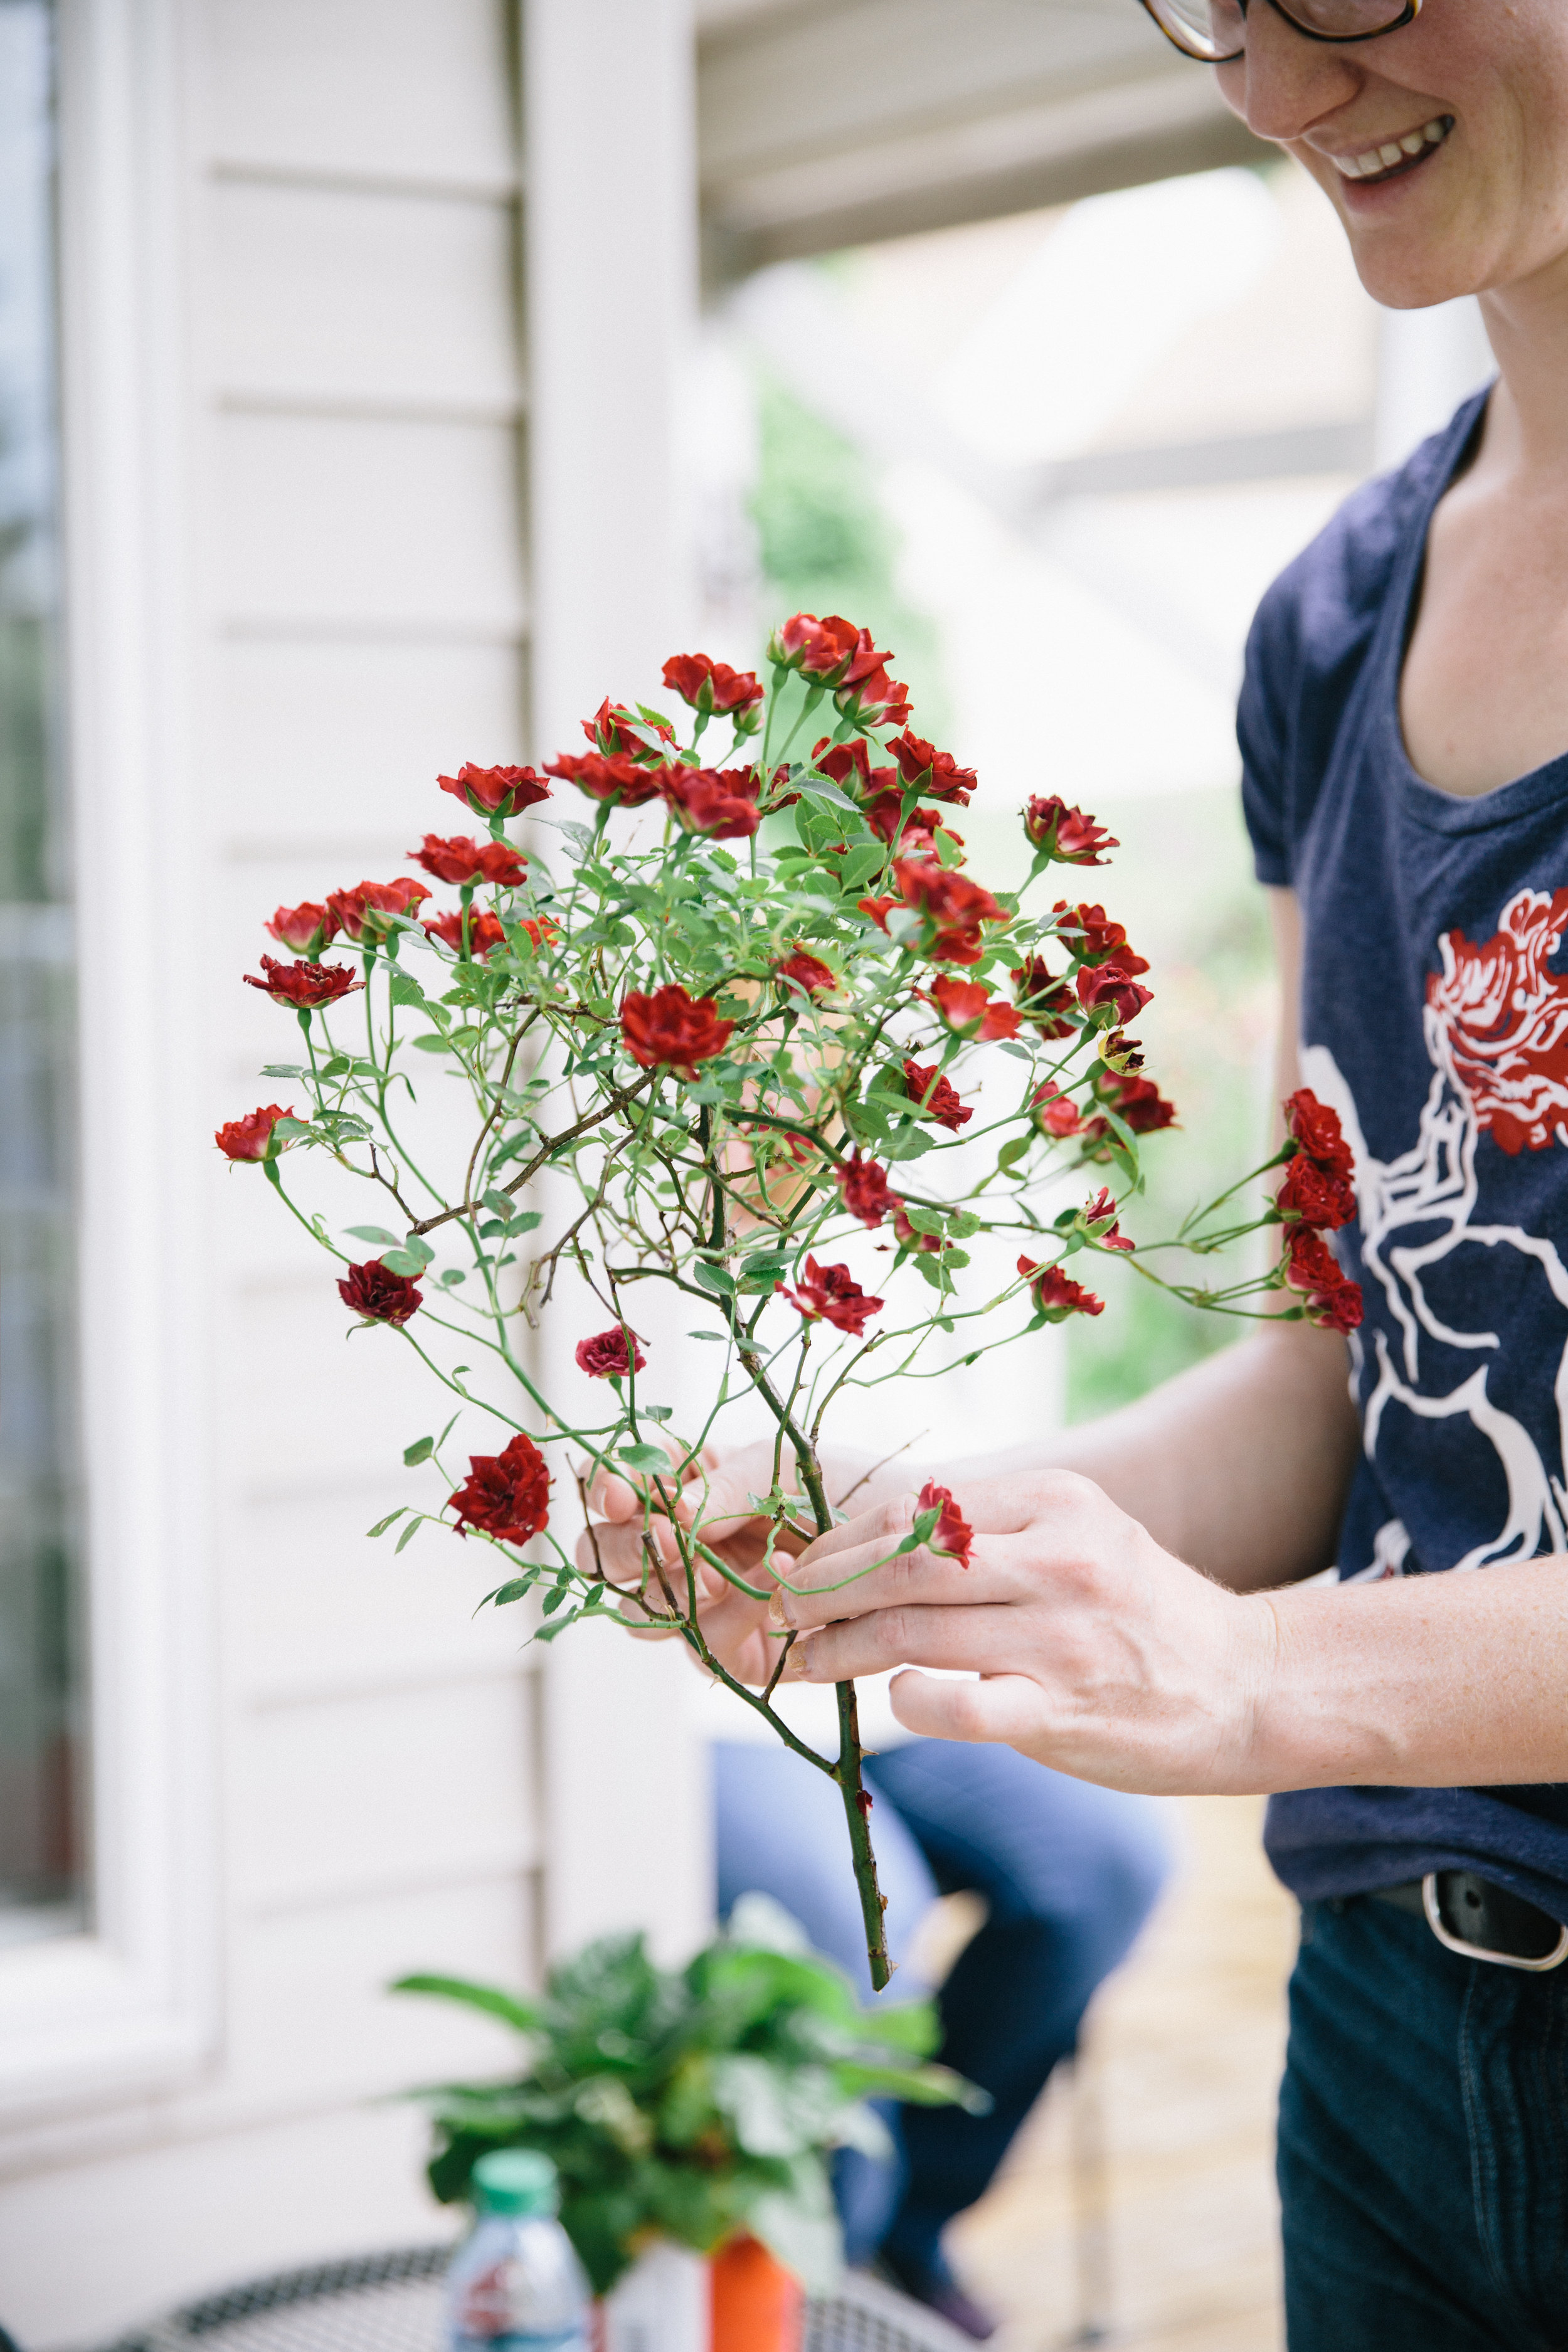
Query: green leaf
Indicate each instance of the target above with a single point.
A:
(513, 1590)
(406, 990)
(283, 1070)
(553, 1599)
(431, 1042)
(420, 1451)
(290, 1127)
(410, 1531)
(416, 1245)
(649, 1461)
(521, 2014)
(714, 1277)
(381, 1525)
(1017, 1148)
(373, 1233)
(722, 1336)
(403, 1262)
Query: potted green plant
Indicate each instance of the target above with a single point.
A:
(699, 2106)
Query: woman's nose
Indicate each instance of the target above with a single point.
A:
(1284, 84)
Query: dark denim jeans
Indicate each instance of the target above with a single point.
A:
(1068, 1872)
(1423, 2143)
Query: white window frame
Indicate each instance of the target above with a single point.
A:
(94, 2020)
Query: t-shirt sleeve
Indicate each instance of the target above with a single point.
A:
(1263, 730)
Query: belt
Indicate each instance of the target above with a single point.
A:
(1480, 1921)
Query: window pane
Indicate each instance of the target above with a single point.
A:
(42, 1881)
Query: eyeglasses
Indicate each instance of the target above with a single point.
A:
(1215, 30)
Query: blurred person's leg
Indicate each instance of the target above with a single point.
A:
(780, 1831)
(1068, 1874)
(1423, 2165)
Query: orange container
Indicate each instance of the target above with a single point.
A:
(757, 2306)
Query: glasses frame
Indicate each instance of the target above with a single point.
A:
(1407, 14)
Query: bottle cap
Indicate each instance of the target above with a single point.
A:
(515, 2181)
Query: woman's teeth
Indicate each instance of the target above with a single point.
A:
(1395, 151)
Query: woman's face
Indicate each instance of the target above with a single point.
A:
(1477, 89)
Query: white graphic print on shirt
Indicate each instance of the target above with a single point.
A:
(1497, 1031)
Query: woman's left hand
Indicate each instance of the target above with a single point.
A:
(1097, 1652)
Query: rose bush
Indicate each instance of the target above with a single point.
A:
(754, 1016)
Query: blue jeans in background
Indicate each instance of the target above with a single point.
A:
(1068, 1874)
(1423, 2143)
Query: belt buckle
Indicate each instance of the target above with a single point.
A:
(1452, 1943)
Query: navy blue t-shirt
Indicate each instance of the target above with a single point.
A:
(1435, 1020)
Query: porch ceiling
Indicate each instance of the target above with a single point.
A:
(830, 123)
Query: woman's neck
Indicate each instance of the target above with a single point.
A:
(1527, 423)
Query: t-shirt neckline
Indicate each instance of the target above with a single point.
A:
(1427, 804)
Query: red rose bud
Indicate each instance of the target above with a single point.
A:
(1054, 1113)
(1316, 1132)
(850, 764)
(1121, 1053)
(616, 777)
(721, 802)
(496, 792)
(829, 1294)
(1315, 1196)
(612, 727)
(359, 911)
(378, 1295)
(304, 930)
(1045, 1002)
(672, 1029)
(605, 1357)
(1311, 1268)
(909, 1239)
(935, 1097)
(875, 701)
(710, 685)
(951, 907)
(1055, 1295)
(1066, 833)
(864, 1186)
(822, 650)
(484, 932)
(952, 1535)
(1338, 1310)
(1102, 984)
(505, 1495)
(806, 972)
(1100, 1213)
(462, 860)
(1138, 1102)
(971, 1011)
(540, 929)
(305, 985)
(1089, 933)
(922, 765)
(251, 1138)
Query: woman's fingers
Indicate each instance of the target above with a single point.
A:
(823, 1588)
(1003, 1707)
(976, 1639)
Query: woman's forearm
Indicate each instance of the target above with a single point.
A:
(1239, 1466)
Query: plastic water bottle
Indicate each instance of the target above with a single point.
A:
(515, 2284)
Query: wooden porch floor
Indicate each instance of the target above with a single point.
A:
(1139, 2202)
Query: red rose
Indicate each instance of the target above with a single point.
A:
(616, 777)
(925, 768)
(674, 1029)
(952, 1534)
(1310, 1265)
(917, 841)
(1066, 833)
(807, 971)
(251, 1138)
(935, 1097)
(304, 930)
(1100, 1210)
(506, 1494)
(496, 792)
(460, 859)
(876, 699)
(1314, 1195)
(1042, 999)
(540, 929)
(359, 911)
(829, 1294)
(1054, 1113)
(971, 1011)
(378, 1295)
(1120, 1053)
(1055, 1295)
(305, 985)
(612, 727)
(1089, 933)
(1338, 1310)
(850, 764)
(951, 907)
(721, 802)
(864, 1186)
(1099, 984)
(484, 932)
(710, 685)
(1318, 1132)
(822, 649)
(1138, 1102)
(604, 1356)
